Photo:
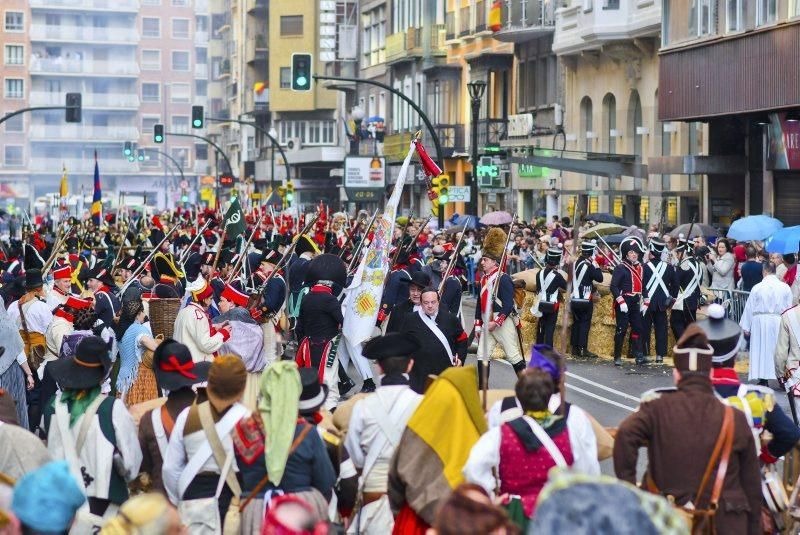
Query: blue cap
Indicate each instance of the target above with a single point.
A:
(38, 507)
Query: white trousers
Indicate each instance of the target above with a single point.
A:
(506, 336)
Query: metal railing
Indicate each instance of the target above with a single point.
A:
(91, 100)
(733, 301)
(77, 66)
(116, 5)
(79, 132)
(84, 33)
(491, 131)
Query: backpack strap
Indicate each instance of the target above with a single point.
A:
(210, 430)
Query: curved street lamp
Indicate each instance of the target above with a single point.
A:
(476, 90)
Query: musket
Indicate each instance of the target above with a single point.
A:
(416, 236)
(147, 260)
(238, 265)
(357, 250)
(570, 282)
(400, 241)
(185, 254)
(288, 253)
(452, 264)
(54, 253)
(350, 236)
(616, 258)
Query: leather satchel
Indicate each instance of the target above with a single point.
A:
(33, 351)
(702, 520)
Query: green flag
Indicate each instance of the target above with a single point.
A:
(234, 219)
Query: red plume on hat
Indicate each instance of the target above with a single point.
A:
(157, 223)
(428, 165)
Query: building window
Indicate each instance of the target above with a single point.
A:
(735, 16)
(148, 121)
(292, 25)
(181, 154)
(180, 3)
(374, 36)
(14, 55)
(151, 2)
(180, 124)
(15, 21)
(702, 18)
(151, 92)
(611, 4)
(13, 156)
(767, 11)
(286, 77)
(201, 152)
(151, 60)
(180, 93)
(309, 132)
(151, 27)
(610, 122)
(586, 123)
(15, 124)
(180, 60)
(180, 28)
(14, 88)
(635, 121)
(201, 88)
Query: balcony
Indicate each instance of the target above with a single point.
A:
(451, 137)
(83, 34)
(261, 102)
(404, 46)
(200, 38)
(201, 7)
(81, 133)
(131, 6)
(492, 131)
(524, 20)
(258, 49)
(579, 29)
(76, 66)
(91, 100)
(201, 71)
(82, 166)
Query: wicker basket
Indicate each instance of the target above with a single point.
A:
(162, 316)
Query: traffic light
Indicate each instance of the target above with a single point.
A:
(128, 150)
(158, 133)
(73, 112)
(290, 191)
(197, 117)
(440, 186)
(140, 155)
(301, 72)
(281, 192)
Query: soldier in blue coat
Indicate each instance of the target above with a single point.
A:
(585, 273)
(658, 275)
(396, 289)
(305, 251)
(626, 288)
(549, 284)
(685, 288)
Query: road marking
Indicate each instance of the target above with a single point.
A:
(603, 387)
(601, 398)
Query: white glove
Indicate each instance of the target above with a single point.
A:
(623, 308)
(645, 307)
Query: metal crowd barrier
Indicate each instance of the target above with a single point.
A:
(732, 300)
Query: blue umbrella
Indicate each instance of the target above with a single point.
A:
(784, 241)
(754, 227)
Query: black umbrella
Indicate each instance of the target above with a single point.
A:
(606, 218)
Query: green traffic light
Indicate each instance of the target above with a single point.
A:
(159, 139)
(302, 81)
(131, 158)
(290, 197)
(443, 199)
(197, 123)
(184, 198)
(127, 152)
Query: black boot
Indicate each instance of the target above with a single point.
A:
(641, 360)
(519, 367)
(368, 386)
(577, 353)
(659, 359)
(589, 355)
(619, 338)
(483, 369)
(345, 383)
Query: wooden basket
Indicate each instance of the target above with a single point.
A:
(162, 316)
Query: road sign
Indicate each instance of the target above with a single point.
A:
(459, 194)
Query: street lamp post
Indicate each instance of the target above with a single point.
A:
(357, 114)
(476, 90)
(273, 134)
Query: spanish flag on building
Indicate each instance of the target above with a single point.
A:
(97, 198)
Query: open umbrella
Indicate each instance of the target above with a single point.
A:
(606, 218)
(784, 241)
(496, 218)
(698, 229)
(603, 229)
(754, 227)
(614, 239)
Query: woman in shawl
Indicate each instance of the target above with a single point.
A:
(14, 370)
(276, 454)
(136, 381)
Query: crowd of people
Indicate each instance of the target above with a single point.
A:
(166, 378)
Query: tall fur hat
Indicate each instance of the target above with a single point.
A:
(494, 243)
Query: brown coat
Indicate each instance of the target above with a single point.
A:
(679, 430)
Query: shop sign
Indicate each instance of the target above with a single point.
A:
(364, 172)
(364, 195)
(458, 194)
(783, 152)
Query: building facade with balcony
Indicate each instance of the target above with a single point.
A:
(732, 67)
(474, 54)
(611, 125)
(135, 63)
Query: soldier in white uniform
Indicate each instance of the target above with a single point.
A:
(375, 428)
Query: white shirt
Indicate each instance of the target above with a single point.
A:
(37, 315)
(485, 454)
(364, 431)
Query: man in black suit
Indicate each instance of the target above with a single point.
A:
(418, 281)
(441, 337)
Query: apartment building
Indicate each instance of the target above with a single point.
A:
(135, 64)
(15, 79)
(733, 67)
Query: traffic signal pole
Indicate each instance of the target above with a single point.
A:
(164, 154)
(230, 167)
(423, 117)
(8, 116)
